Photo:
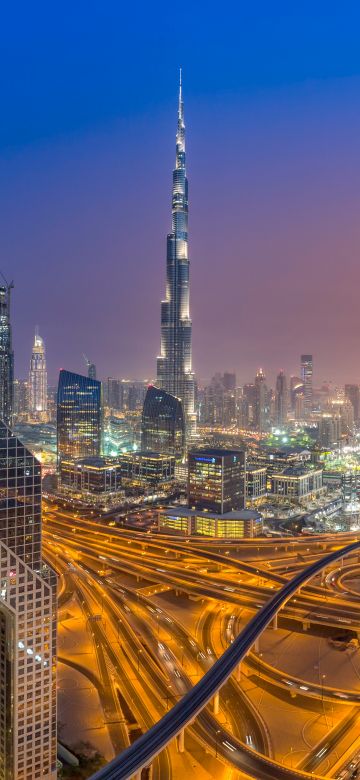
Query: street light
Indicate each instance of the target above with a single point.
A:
(139, 651)
(217, 732)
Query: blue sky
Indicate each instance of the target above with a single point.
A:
(88, 94)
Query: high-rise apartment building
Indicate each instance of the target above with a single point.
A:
(21, 399)
(162, 425)
(352, 393)
(306, 373)
(91, 368)
(6, 356)
(281, 399)
(261, 416)
(216, 480)
(28, 742)
(38, 380)
(229, 381)
(79, 416)
(248, 406)
(114, 394)
(174, 366)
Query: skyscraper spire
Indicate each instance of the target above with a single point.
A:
(181, 104)
(174, 369)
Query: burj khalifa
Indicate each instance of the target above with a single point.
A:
(174, 368)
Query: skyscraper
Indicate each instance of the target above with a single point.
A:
(91, 368)
(27, 622)
(38, 380)
(352, 393)
(162, 425)
(174, 367)
(216, 479)
(79, 416)
(306, 374)
(6, 356)
(261, 410)
(281, 399)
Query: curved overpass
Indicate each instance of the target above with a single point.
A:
(144, 750)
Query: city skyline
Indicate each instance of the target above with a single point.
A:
(283, 147)
(179, 506)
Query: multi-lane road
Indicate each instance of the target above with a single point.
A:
(163, 672)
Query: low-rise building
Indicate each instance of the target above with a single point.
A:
(245, 523)
(255, 482)
(139, 468)
(95, 480)
(297, 484)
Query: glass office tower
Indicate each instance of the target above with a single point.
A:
(174, 365)
(79, 416)
(162, 425)
(216, 480)
(28, 742)
(6, 357)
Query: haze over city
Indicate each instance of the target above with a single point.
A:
(87, 141)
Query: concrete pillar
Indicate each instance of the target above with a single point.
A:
(275, 621)
(138, 775)
(216, 703)
(257, 645)
(181, 741)
(238, 673)
(305, 625)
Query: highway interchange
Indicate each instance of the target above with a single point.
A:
(148, 661)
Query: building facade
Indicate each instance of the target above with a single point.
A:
(79, 416)
(162, 424)
(92, 479)
(297, 484)
(231, 525)
(146, 468)
(6, 357)
(256, 482)
(28, 740)
(216, 480)
(174, 365)
(38, 380)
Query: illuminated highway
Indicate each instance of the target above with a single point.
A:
(101, 557)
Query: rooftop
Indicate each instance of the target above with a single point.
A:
(297, 471)
(184, 511)
(216, 453)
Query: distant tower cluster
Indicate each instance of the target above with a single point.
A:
(38, 380)
(174, 368)
(6, 356)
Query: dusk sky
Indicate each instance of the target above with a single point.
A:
(87, 135)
